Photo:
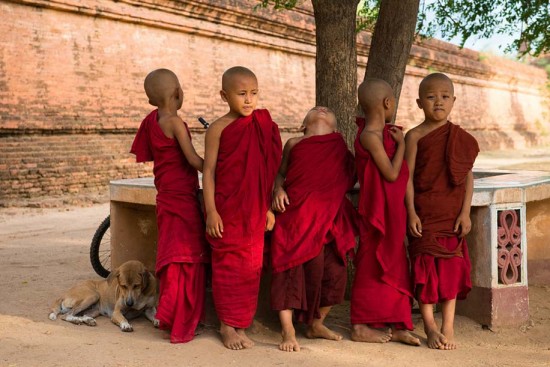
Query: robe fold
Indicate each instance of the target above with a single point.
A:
(180, 223)
(305, 288)
(249, 155)
(444, 158)
(381, 291)
(320, 172)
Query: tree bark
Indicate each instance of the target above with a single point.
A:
(336, 61)
(391, 42)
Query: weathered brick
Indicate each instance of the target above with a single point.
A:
(71, 93)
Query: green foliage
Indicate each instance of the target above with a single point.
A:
(528, 19)
(367, 15)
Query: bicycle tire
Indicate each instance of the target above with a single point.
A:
(100, 249)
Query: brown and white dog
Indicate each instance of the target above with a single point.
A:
(128, 292)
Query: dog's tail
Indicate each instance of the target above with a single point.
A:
(57, 308)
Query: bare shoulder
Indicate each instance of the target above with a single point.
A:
(415, 134)
(370, 137)
(215, 129)
(292, 142)
(174, 122)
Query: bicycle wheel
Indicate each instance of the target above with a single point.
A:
(100, 249)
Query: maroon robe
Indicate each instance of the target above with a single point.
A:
(320, 172)
(248, 158)
(381, 290)
(181, 247)
(444, 158)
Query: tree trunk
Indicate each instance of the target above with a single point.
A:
(391, 42)
(336, 61)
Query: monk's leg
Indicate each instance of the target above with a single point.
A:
(447, 327)
(289, 343)
(326, 284)
(365, 334)
(436, 340)
(230, 338)
(318, 329)
(404, 336)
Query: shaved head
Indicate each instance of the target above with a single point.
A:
(372, 92)
(160, 85)
(320, 115)
(431, 79)
(236, 71)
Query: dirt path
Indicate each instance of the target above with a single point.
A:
(44, 251)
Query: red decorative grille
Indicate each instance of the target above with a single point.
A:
(509, 247)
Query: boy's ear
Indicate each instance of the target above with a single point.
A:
(454, 99)
(302, 128)
(223, 95)
(386, 101)
(419, 103)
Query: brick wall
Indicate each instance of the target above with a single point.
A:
(71, 74)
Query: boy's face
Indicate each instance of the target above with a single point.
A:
(436, 99)
(319, 114)
(241, 94)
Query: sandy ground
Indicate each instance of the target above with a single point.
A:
(45, 251)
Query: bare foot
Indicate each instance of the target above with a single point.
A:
(451, 343)
(405, 337)
(247, 342)
(289, 343)
(436, 340)
(230, 338)
(363, 333)
(319, 330)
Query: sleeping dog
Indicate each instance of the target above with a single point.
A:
(129, 291)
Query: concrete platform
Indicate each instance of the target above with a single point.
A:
(510, 209)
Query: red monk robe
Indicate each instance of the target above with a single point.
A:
(181, 249)
(249, 155)
(306, 273)
(381, 290)
(440, 262)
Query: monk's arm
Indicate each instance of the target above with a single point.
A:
(214, 224)
(388, 169)
(463, 221)
(182, 136)
(414, 224)
(280, 198)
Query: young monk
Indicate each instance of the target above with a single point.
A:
(242, 154)
(182, 250)
(439, 194)
(381, 295)
(315, 228)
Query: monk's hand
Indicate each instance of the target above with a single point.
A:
(463, 225)
(415, 226)
(270, 221)
(397, 134)
(214, 225)
(280, 200)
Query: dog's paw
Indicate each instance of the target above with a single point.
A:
(125, 326)
(156, 323)
(90, 321)
(52, 316)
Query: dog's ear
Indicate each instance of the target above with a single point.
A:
(113, 276)
(146, 277)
